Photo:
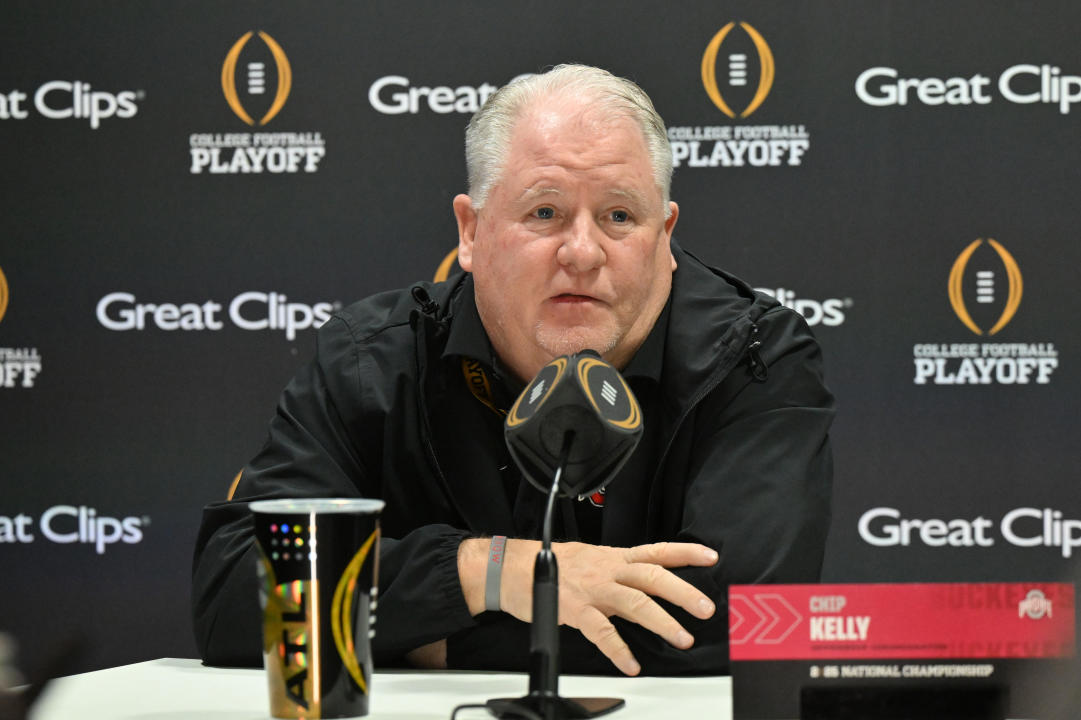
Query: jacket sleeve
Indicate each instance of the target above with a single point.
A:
(313, 450)
(756, 471)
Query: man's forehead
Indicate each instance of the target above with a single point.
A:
(566, 113)
(560, 142)
(568, 106)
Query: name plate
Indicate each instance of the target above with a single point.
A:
(956, 651)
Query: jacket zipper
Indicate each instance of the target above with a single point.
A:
(758, 369)
(428, 308)
(424, 300)
(756, 366)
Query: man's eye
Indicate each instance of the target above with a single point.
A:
(545, 213)
(620, 216)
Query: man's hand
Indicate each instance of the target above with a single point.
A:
(595, 583)
(432, 656)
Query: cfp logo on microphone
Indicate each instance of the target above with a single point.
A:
(736, 67)
(989, 282)
(608, 392)
(592, 370)
(538, 390)
(254, 79)
(543, 385)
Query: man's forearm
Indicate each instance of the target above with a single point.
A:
(596, 583)
(516, 584)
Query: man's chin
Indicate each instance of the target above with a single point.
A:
(567, 341)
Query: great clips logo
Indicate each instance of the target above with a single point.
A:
(1025, 527)
(256, 80)
(1023, 84)
(67, 99)
(252, 310)
(737, 72)
(984, 288)
(67, 524)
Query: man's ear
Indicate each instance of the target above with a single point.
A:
(669, 226)
(467, 230)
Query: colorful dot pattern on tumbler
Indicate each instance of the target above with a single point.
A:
(291, 539)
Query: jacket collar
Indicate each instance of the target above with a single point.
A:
(696, 362)
(705, 297)
(702, 296)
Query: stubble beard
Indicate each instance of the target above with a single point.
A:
(558, 341)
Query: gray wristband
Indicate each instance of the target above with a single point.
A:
(494, 575)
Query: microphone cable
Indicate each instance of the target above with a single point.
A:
(500, 708)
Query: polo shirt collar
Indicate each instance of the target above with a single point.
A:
(467, 336)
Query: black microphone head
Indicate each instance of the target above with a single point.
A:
(582, 394)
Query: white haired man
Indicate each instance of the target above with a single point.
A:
(566, 240)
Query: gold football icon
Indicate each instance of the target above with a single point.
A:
(709, 69)
(3, 294)
(1013, 275)
(228, 77)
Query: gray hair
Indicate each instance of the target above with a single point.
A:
(487, 137)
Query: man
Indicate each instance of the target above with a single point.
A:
(566, 240)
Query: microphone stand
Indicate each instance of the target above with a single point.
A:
(543, 701)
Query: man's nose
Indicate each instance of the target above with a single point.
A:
(581, 249)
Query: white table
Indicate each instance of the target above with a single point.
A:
(180, 689)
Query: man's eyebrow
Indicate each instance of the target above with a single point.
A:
(631, 195)
(635, 197)
(537, 191)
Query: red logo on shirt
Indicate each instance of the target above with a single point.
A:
(597, 498)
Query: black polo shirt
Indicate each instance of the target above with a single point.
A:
(577, 519)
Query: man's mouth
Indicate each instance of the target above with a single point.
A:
(572, 298)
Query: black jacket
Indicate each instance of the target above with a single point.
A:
(743, 466)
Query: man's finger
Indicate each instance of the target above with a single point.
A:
(600, 631)
(640, 608)
(656, 581)
(672, 554)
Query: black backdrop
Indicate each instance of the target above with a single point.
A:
(854, 210)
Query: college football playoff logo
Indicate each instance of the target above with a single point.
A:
(737, 70)
(985, 287)
(256, 77)
(3, 294)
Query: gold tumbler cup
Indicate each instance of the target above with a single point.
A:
(318, 566)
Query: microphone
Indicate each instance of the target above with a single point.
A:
(586, 396)
(570, 431)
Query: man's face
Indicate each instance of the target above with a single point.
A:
(571, 249)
